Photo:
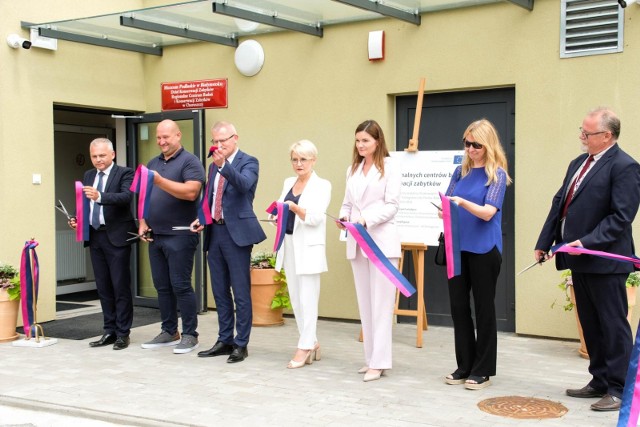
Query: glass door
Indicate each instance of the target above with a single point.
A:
(142, 147)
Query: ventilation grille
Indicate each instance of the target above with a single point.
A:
(590, 27)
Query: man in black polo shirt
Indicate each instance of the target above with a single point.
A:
(178, 178)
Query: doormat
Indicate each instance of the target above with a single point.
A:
(79, 296)
(91, 325)
(64, 306)
(522, 407)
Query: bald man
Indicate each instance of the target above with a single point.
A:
(178, 178)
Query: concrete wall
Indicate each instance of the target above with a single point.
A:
(320, 89)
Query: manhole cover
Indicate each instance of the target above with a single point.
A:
(522, 407)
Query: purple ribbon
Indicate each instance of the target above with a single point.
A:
(379, 260)
(577, 249)
(29, 284)
(142, 184)
(281, 210)
(630, 407)
(82, 214)
(451, 236)
(204, 210)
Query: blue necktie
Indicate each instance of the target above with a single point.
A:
(95, 216)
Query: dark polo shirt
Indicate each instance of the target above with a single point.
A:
(166, 211)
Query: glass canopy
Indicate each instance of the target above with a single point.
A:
(225, 21)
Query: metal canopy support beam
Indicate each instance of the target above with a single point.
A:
(392, 12)
(175, 31)
(274, 21)
(62, 35)
(527, 4)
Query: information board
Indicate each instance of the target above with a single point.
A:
(424, 174)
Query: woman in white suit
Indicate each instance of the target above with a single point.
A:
(371, 199)
(303, 253)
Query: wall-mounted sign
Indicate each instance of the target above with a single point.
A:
(194, 94)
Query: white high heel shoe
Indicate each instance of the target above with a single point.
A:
(373, 374)
(307, 361)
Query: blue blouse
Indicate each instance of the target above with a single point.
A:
(477, 235)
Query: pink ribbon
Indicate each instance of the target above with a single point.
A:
(82, 214)
(142, 184)
(379, 260)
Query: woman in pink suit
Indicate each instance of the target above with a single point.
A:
(303, 253)
(371, 199)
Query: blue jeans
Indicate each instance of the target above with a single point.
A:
(171, 259)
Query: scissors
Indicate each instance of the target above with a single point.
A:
(540, 261)
(62, 209)
(437, 207)
(146, 235)
(268, 220)
(333, 217)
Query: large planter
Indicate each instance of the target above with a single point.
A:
(263, 289)
(8, 317)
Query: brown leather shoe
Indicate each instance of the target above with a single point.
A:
(586, 391)
(607, 403)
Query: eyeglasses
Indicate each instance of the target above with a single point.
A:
(586, 135)
(475, 145)
(219, 141)
(302, 161)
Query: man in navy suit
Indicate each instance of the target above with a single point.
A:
(594, 209)
(233, 178)
(107, 187)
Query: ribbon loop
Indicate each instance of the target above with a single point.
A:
(451, 236)
(281, 210)
(29, 285)
(143, 185)
(82, 214)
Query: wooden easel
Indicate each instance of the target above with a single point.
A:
(413, 142)
(417, 252)
(417, 249)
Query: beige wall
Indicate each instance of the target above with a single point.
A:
(30, 83)
(320, 89)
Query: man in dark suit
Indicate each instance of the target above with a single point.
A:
(594, 209)
(107, 187)
(233, 178)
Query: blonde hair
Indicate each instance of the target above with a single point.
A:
(304, 148)
(486, 134)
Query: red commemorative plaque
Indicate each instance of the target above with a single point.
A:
(194, 94)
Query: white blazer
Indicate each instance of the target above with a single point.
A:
(376, 199)
(309, 236)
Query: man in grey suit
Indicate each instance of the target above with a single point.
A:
(233, 178)
(594, 209)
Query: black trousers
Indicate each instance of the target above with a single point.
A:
(475, 355)
(111, 266)
(601, 300)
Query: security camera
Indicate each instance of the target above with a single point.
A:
(15, 41)
(624, 3)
